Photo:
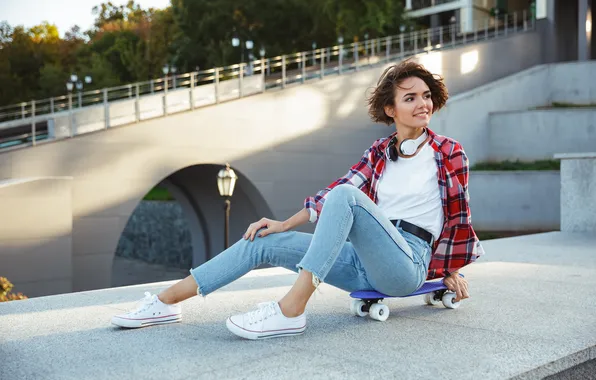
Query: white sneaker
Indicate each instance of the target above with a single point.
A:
(266, 322)
(151, 311)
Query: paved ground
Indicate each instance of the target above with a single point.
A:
(531, 315)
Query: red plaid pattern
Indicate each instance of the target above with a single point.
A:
(458, 244)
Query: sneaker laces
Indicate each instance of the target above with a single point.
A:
(264, 310)
(145, 303)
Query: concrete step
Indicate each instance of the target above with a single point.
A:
(540, 134)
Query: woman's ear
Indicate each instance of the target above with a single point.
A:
(389, 111)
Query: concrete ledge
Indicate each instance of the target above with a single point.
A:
(575, 156)
(528, 317)
(512, 135)
(521, 200)
(578, 189)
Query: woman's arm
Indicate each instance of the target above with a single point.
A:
(298, 219)
(275, 226)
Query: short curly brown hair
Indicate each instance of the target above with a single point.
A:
(384, 94)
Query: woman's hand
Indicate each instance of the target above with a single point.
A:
(457, 284)
(273, 226)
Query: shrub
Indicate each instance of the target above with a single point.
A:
(518, 165)
(5, 291)
(158, 194)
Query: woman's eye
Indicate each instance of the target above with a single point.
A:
(409, 99)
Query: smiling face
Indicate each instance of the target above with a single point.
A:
(412, 104)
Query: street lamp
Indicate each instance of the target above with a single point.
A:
(173, 70)
(452, 20)
(226, 180)
(314, 53)
(75, 82)
(262, 54)
(340, 41)
(402, 28)
(165, 69)
(249, 45)
(236, 42)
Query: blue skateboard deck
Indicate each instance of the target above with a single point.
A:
(427, 287)
(368, 301)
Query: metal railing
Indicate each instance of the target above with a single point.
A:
(420, 4)
(70, 115)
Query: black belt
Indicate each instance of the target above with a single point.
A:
(414, 230)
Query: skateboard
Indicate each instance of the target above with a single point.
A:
(367, 302)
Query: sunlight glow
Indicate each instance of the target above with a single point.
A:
(433, 62)
(469, 61)
(349, 103)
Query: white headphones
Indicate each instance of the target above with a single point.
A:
(407, 147)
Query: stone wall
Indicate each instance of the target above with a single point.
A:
(157, 233)
(578, 192)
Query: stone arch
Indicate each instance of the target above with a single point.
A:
(195, 189)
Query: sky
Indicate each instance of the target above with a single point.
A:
(62, 13)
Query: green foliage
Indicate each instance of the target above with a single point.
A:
(51, 79)
(567, 105)
(158, 194)
(128, 43)
(5, 291)
(518, 165)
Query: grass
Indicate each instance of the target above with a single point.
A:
(566, 105)
(488, 235)
(158, 194)
(518, 165)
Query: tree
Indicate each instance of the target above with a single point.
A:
(52, 80)
(353, 18)
(45, 32)
(128, 43)
(5, 34)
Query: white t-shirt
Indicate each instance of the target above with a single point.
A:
(409, 190)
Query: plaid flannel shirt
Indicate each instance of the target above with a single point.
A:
(458, 244)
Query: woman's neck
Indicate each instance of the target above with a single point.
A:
(404, 133)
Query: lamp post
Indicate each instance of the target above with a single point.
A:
(237, 42)
(226, 180)
(340, 42)
(75, 82)
(173, 70)
(70, 85)
(452, 20)
(314, 53)
(402, 29)
(262, 55)
(165, 69)
(249, 45)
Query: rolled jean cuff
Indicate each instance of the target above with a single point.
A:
(201, 291)
(316, 279)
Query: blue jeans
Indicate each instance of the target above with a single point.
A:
(378, 256)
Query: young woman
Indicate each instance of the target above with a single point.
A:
(403, 206)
